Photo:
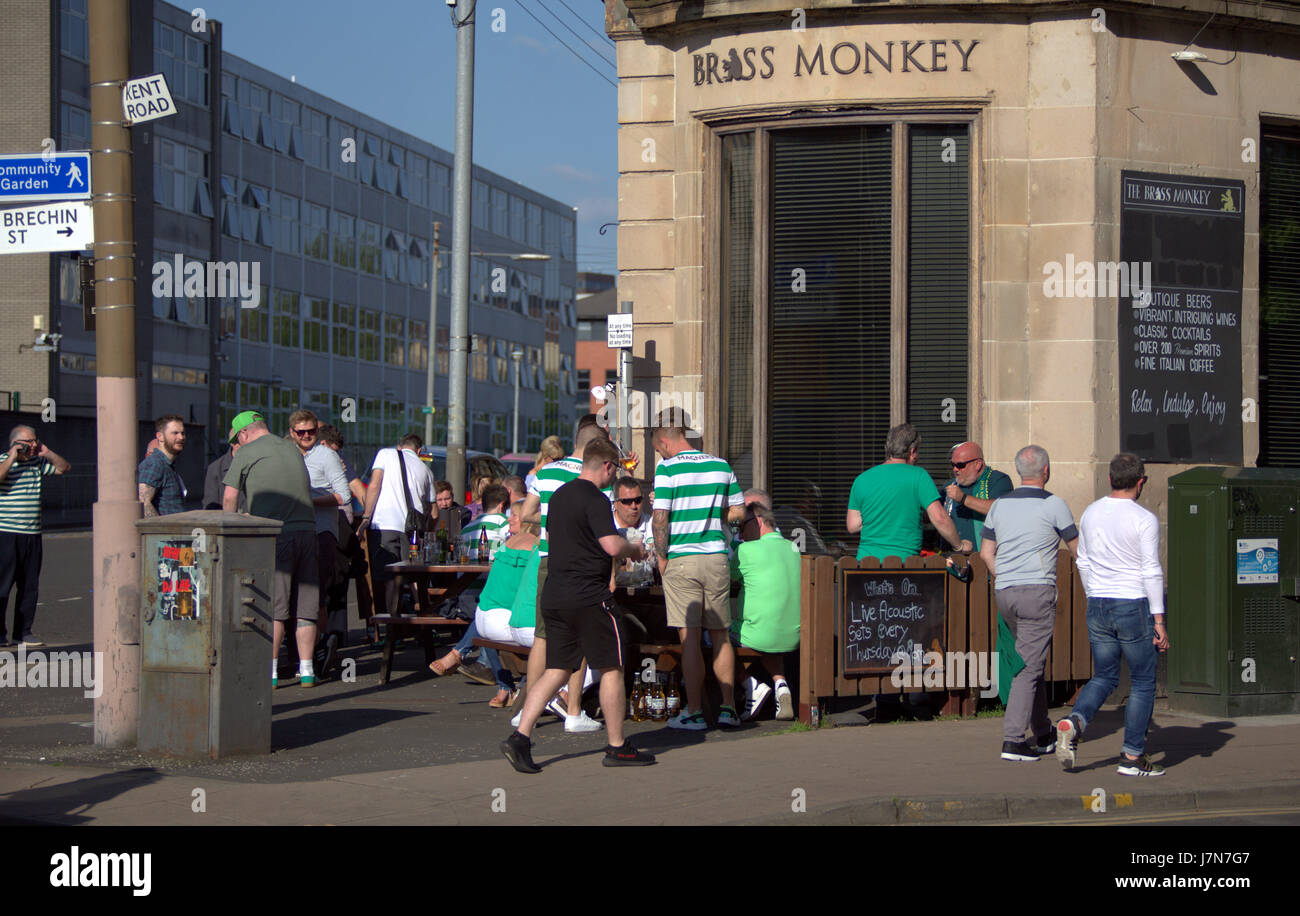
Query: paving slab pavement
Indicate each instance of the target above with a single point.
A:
(912, 773)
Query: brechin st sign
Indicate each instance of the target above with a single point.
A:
(845, 57)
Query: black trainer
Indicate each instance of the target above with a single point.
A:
(478, 673)
(519, 751)
(1045, 744)
(1018, 750)
(626, 756)
(1140, 767)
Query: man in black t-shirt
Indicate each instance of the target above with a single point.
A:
(580, 620)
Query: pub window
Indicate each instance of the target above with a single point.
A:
(851, 241)
(1279, 298)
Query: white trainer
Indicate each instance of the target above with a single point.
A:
(581, 723)
(784, 701)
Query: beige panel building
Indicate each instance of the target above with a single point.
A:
(838, 217)
(26, 122)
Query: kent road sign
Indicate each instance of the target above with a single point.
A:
(52, 176)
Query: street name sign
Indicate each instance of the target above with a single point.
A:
(51, 176)
(618, 331)
(49, 227)
(146, 99)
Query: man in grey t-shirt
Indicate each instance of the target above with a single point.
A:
(1020, 538)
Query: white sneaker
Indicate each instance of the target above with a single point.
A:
(556, 708)
(581, 723)
(754, 700)
(784, 701)
(519, 717)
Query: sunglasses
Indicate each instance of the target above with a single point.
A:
(961, 464)
(633, 501)
(304, 433)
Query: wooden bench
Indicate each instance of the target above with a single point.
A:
(395, 628)
(513, 656)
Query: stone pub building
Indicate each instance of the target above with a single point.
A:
(1070, 224)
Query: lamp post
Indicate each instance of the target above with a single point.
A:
(433, 343)
(516, 355)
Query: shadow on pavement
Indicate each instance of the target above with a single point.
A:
(65, 800)
(1169, 745)
(316, 727)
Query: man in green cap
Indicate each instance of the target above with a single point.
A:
(271, 473)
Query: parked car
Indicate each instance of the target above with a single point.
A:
(518, 465)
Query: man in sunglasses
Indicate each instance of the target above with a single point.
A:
(23, 468)
(970, 494)
(329, 492)
(629, 516)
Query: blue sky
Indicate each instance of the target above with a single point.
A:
(541, 117)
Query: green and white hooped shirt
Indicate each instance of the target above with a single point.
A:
(495, 524)
(551, 478)
(696, 490)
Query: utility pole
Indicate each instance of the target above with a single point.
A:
(458, 371)
(116, 542)
(433, 340)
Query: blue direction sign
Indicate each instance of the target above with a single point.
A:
(53, 176)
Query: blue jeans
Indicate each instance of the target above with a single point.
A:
(1121, 628)
(489, 657)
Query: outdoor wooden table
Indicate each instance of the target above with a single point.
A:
(430, 585)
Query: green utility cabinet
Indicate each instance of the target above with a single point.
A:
(1234, 591)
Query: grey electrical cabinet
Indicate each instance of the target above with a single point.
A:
(1234, 591)
(205, 634)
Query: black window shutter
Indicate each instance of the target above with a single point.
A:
(1279, 300)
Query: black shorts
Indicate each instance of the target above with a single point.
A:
(591, 632)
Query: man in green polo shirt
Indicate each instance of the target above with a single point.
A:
(23, 468)
(271, 473)
(768, 617)
(887, 502)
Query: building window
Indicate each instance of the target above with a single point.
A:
(288, 126)
(315, 326)
(343, 140)
(316, 234)
(481, 205)
(369, 237)
(369, 338)
(394, 340)
(829, 200)
(180, 178)
(255, 210)
(287, 319)
(344, 342)
(75, 40)
(345, 240)
(288, 231)
(500, 212)
(444, 352)
(254, 322)
(418, 338)
(183, 61)
(229, 319)
(76, 127)
(440, 188)
(316, 141)
(1279, 298)
(478, 358)
(177, 306)
(584, 383)
(394, 256)
(179, 375)
(415, 181)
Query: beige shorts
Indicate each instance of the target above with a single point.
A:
(697, 591)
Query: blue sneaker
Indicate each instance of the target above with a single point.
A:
(727, 718)
(689, 721)
(306, 680)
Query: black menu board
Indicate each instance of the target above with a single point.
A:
(887, 612)
(1180, 318)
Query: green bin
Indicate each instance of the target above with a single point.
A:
(1234, 591)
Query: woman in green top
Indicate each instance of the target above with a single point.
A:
(492, 617)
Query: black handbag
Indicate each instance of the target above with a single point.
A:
(415, 521)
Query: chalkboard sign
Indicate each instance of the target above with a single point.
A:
(1182, 239)
(888, 611)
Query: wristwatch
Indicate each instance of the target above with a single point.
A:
(962, 501)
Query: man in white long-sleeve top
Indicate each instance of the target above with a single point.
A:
(1119, 561)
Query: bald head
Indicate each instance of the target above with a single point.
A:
(21, 432)
(967, 463)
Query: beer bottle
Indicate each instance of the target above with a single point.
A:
(643, 704)
(414, 553)
(633, 699)
(658, 706)
(484, 552)
(673, 701)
